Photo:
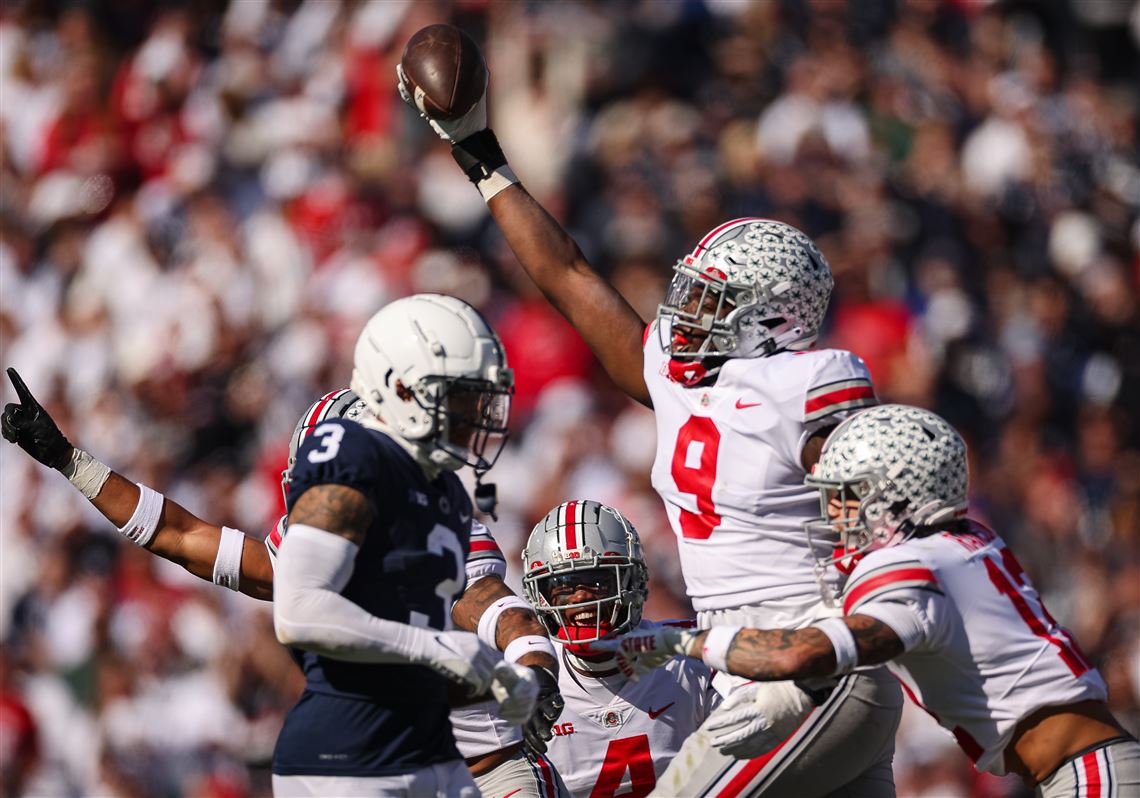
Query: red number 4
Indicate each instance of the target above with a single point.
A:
(698, 439)
(632, 754)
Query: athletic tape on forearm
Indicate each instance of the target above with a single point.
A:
(140, 529)
(86, 473)
(502, 178)
(715, 649)
(489, 620)
(528, 644)
(227, 565)
(839, 633)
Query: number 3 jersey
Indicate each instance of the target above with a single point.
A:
(368, 719)
(616, 735)
(981, 650)
(729, 470)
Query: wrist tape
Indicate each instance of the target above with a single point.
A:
(489, 620)
(227, 565)
(482, 160)
(716, 645)
(86, 473)
(839, 633)
(142, 525)
(528, 644)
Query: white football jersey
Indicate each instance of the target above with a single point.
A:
(478, 728)
(617, 735)
(729, 470)
(982, 652)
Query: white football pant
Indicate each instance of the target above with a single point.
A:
(445, 780)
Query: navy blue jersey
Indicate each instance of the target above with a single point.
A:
(359, 719)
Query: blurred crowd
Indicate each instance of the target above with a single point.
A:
(201, 203)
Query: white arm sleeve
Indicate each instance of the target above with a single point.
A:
(313, 566)
(906, 617)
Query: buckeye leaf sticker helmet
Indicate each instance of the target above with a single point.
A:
(432, 369)
(334, 404)
(750, 288)
(905, 469)
(584, 574)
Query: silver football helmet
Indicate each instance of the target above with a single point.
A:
(334, 404)
(432, 369)
(906, 469)
(750, 288)
(585, 546)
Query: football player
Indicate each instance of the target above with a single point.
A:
(584, 574)
(743, 404)
(494, 749)
(944, 602)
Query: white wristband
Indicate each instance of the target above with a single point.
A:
(141, 528)
(498, 180)
(489, 620)
(227, 565)
(528, 644)
(839, 633)
(715, 649)
(86, 473)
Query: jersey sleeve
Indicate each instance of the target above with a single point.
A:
(839, 386)
(485, 557)
(274, 538)
(903, 592)
(340, 452)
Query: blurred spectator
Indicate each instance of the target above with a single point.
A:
(200, 204)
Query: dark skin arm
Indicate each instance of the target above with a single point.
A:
(773, 655)
(337, 509)
(513, 623)
(185, 539)
(610, 327)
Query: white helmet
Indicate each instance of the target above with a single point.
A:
(585, 544)
(904, 465)
(334, 404)
(431, 368)
(750, 288)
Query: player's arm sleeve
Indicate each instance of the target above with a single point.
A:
(839, 386)
(485, 558)
(902, 593)
(313, 567)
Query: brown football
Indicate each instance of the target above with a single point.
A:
(446, 64)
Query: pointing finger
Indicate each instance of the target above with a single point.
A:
(26, 398)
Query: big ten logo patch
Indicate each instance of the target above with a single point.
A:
(562, 729)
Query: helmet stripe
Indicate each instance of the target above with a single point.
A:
(716, 231)
(319, 408)
(571, 533)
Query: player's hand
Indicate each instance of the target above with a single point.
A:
(463, 658)
(537, 731)
(756, 717)
(452, 131)
(515, 688)
(639, 653)
(30, 427)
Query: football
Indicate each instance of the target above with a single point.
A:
(445, 64)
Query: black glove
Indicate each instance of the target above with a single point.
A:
(547, 708)
(30, 427)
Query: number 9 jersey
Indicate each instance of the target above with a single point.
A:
(728, 468)
(380, 719)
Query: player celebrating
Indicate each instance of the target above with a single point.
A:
(171, 532)
(584, 574)
(743, 405)
(943, 601)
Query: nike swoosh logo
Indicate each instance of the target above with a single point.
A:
(653, 713)
(741, 404)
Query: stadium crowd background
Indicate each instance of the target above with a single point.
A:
(201, 204)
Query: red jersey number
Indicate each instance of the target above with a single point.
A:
(632, 754)
(694, 471)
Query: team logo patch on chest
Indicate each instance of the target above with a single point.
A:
(609, 718)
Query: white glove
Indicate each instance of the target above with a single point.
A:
(757, 717)
(462, 657)
(638, 653)
(515, 687)
(450, 130)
